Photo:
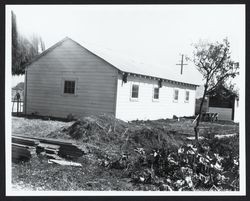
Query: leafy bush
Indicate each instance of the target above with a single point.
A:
(212, 165)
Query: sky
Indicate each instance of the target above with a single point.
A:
(155, 34)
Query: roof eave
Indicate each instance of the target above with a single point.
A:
(158, 78)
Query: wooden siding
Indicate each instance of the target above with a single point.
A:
(146, 108)
(96, 83)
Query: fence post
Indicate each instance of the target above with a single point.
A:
(18, 100)
(17, 107)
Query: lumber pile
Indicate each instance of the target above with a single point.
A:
(24, 141)
(22, 152)
(24, 147)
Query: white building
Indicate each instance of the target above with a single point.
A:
(70, 79)
(236, 110)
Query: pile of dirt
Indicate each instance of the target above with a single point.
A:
(115, 143)
(106, 132)
(103, 128)
(153, 153)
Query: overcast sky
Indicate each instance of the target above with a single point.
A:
(152, 33)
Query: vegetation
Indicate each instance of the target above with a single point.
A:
(23, 49)
(139, 155)
(214, 62)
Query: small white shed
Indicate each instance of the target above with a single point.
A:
(236, 110)
(225, 102)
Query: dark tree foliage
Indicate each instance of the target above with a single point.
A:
(23, 49)
(222, 96)
(14, 44)
(214, 62)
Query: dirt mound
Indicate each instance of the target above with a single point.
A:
(118, 144)
(101, 128)
(108, 131)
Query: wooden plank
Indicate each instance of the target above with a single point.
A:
(65, 109)
(74, 100)
(53, 156)
(22, 146)
(51, 151)
(63, 112)
(45, 139)
(17, 152)
(67, 163)
(70, 153)
(20, 151)
(52, 146)
(24, 141)
(46, 145)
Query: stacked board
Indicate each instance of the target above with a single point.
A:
(24, 147)
(22, 152)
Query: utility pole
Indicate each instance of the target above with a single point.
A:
(182, 64)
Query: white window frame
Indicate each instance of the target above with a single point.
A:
(63, 83)
(187, 101)
(153, 97)
(174, 100)
(131, 90)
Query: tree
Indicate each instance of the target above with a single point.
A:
(213, 61)
(41, 44)
(14, 42)
(23, 49)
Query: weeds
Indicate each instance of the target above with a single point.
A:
(139, 155)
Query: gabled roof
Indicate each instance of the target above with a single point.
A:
(46, 51)
(128, 65)
(223, 91)
(19, 86)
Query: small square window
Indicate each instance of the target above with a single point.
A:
(176, 94)
(187, 96)
(135, 91)
(156, 93)
(69, 87)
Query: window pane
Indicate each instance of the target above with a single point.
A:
(135, 91)
(69, 87)
(72, 87)
(156, 93)
(65, 87)
(176, 93)
(187, 95)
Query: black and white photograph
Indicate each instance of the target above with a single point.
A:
(125, 99)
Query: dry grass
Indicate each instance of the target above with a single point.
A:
(36, 127)
(186, 126)
(39, 175)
